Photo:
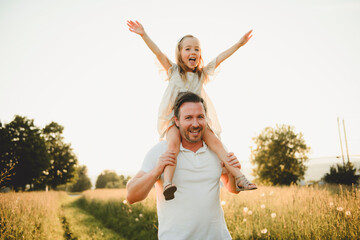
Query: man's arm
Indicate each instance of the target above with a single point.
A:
(138, 188)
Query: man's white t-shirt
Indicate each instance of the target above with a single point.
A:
(196, 212)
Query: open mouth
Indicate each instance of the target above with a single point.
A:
(192, 59)
(195, 132)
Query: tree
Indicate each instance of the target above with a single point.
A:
(83, 181)
(6, 162)
(120, 183)
(62, 158)
(124, 180)
(279, 156)
(23, 146)
(345, 174)
(109, 179)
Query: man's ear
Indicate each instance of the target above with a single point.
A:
(176, 120)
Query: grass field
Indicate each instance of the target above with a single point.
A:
(267, 213)
(34, 215)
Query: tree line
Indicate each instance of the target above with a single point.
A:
(280, 155)
(39, 158)
(35, 157)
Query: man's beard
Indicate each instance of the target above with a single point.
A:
(186, 134)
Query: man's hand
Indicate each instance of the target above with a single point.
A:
(167, 158)
(233, 161)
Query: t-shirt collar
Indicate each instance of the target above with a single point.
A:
(200, 150)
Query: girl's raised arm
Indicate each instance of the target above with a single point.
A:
(137, 28)
(227, 53)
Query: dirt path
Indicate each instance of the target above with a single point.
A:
(79, 225)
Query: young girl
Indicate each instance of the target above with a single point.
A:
(189, 74)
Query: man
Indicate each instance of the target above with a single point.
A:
(195, 213)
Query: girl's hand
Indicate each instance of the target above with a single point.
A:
(136, 27)
(233, 161)
(246, 38)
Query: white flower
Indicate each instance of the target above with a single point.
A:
(244, 220)
(125, 202)
(140, 215)
(136, 219)
(264, 231)
(130, 211)
(331, 204)
(348, 213)
(250, 212)
(223, 202)
(273, 215)
(245, 209)
(340, 209)
(263, 194)
(262, 206)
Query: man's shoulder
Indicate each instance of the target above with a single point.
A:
(153, 155)
(160, 146)
(158, 149)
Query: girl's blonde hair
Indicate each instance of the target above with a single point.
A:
(182, 67)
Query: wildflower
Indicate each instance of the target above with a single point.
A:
(348, 213)
(223, 202)
(130, 211)
(125, 202)
(340, 209)
(244, 220)
(262, 206)
(264, 231)
(140, 215)
(263, 194)
(245, 209)
(250, 212)
(136, 219)
(273, 215)
(331, 204)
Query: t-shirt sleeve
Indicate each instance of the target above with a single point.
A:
(210, 67)
(152, 157)
(210, 70)
(171, 69)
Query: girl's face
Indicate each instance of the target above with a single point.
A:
(190, 52)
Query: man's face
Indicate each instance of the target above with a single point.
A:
(191, 122)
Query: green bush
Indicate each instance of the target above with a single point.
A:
(342, 174)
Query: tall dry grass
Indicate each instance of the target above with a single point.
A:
(293, 213)
(33, 215)
(268, 213)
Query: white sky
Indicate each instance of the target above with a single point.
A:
(76, 63)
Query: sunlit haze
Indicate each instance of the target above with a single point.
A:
(76, 63)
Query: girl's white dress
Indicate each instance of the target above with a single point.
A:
(193, 84)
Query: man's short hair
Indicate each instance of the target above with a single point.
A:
(184, 97)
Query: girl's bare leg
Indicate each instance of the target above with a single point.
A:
(216, 146)
(173, 140)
